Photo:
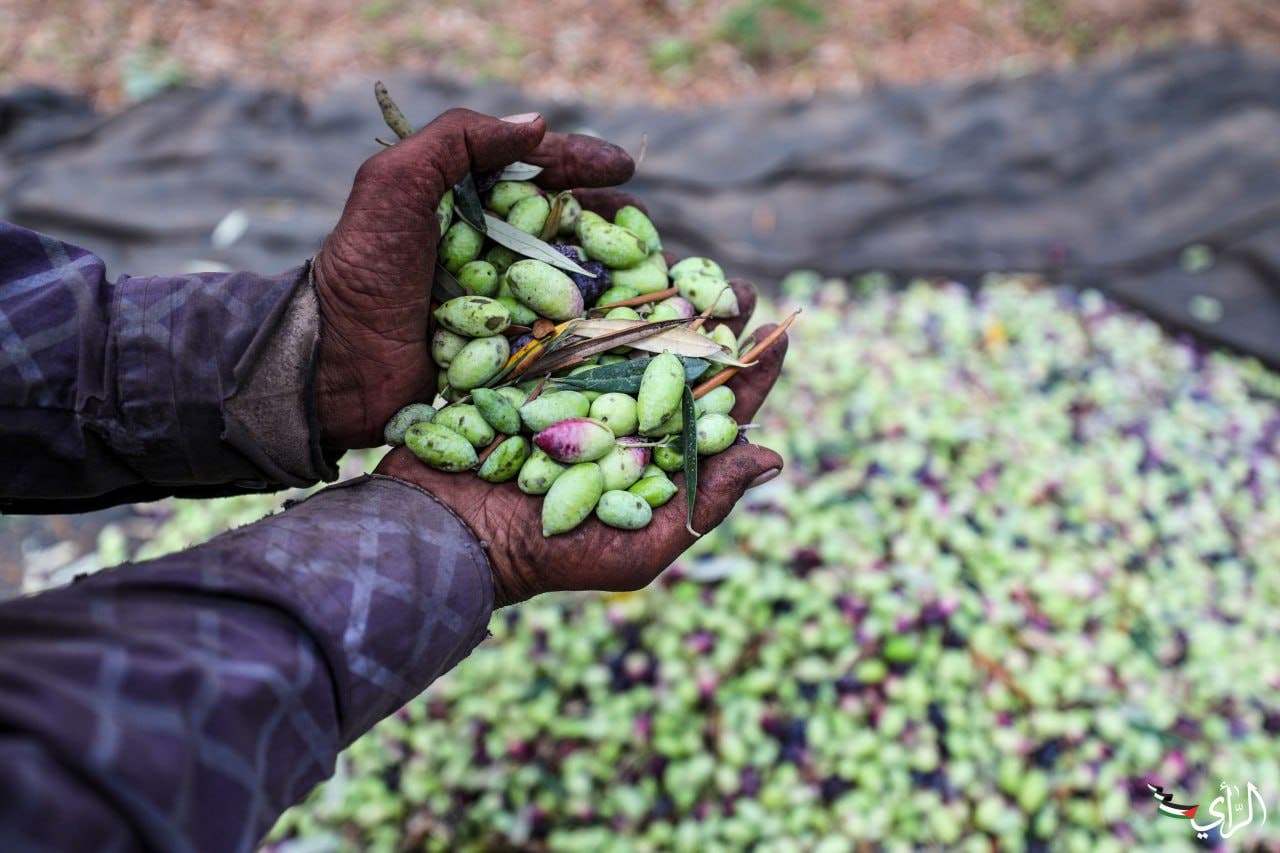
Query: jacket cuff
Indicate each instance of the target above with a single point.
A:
(272, 416)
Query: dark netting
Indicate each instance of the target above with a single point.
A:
(1099, 176)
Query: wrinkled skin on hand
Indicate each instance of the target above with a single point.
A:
(374, 273)
(594, 555)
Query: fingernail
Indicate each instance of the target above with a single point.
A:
(765, 477)
(522, 118)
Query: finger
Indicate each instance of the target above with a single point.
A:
(606, 201)
(457, 142)
(751, 385)
(722, 480)
(577, 160)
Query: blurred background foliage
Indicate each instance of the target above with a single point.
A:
(668, 52)
(1020, 563)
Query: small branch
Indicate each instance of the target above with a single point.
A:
(750, 356)
(390, 112)
(642, 299)
(489, 450)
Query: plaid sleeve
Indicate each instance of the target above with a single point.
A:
(184, 703)
(149, 386)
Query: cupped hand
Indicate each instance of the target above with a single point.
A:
(594, 555)
(373, 275)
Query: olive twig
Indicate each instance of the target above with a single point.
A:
(750, 356)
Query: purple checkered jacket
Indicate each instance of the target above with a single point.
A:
(184, 702)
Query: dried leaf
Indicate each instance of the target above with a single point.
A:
(445, 287)
(624, 376)
(551, 226)
(531, 247)
(466, 203)
(689, 449)
(569, 353)
(519, 171)
(667, 336)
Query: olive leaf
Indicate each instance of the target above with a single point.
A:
(519, 171)
(689, 449)
(668, 336)
(624, 376)
(531, 247)
(444, 286)
(466, 203)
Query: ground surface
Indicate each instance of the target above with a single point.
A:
(663, 51)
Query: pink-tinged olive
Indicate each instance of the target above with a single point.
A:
(571, 498)
(529, 214)
(478, 362)
(709, 292)
(658, 402)
(715, 433)
(553, 406)
(497, 410)
(623, 510)
(634, 220)
(545, 289)
(702, 266)
(717, 401)
(505, 194)
(505, 461)
(655, 491)
(474, 316)
(467, 421)
(617, 411)
(575, 440)
(459, 245)
(648, 277)
(521, 314)
(675, 308)
(479, 278)
(445, 345)
(440, 447)
(613, 246)
(668, 458)
(538, 473)
(623, 465)
(414, 413)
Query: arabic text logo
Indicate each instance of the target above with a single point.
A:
(1227, 809)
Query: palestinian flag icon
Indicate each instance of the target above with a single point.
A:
(1168, 807)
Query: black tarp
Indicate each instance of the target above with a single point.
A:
(1098, 176)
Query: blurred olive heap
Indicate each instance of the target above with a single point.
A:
(1022, 561)
(573, 371)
